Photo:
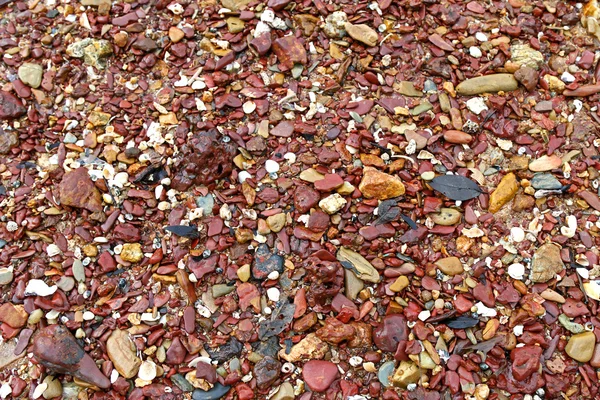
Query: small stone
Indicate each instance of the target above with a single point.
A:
(554, 83)
(408, 372)
(216, 393)
(487, 84)
(546, 263)
(450, 266)
(335, 25)
(266, 372)
(363, 33)
(14, 316)
(390, 331)
(505, 192)
(446, 217)
(289, 51)
(545, 163)
(319, 375)
(379, 185)
(55, 348)
(265, 262)
(407, 88)
(276, 222)
(400, 284)
(244, 272)
(285, 392)
(94, 52)
(332, 203)
(176, 34)
(581, 346)
(6, 276)
(283, 129)
(527, 77)
(545, 181)
(524, 55)
(132, 252)
(31, 74)
(309, 348)
(525, 361)
(53, 389)
(523, 202)
(10, 106)
(122, 353)
(329, 183)
(8, 139)
(235, 25)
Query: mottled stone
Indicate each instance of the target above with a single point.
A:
(379, 185)
(77, 190)
(122, 353)
(546, 263)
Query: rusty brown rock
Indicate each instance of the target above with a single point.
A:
(77, 190)
(290, 51)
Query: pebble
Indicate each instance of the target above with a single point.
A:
(505, 192)
(517, 234)
(319, 375)
(545, 163)
(216, 393)
(581, 346)
(516, 271)
(546, 263)
(390, 331)
(6, 276)
(407, 372)
(487, 84)
(271, 166)
(450, 266)
(265, 262)
(477, 105)
(56, 349)
(379, 185)
(545, 181)
(31, 74)
(446, 217)
(121, 352)
(363, 33)
(475, 52)
(332, 203)
(385, 372)
(132, 252)
(10, 106)
(53, 388)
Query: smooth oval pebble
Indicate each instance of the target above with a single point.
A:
(545, 163)
(487, 84)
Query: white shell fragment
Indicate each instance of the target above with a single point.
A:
(147, 371)
(37, 287)
(516, 271)
(485, 311)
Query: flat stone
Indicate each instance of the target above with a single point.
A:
(283, 129)
(546, 263)
(545, 181)
(13, 315)
(132, 252)
(487, 84)
(319, 375)
(407, 372)
(581, 346)
(217, 392)
(122, 353)
(329, 183)
(364, 269)
(56, 349)
(266, 262)
(390, 331)
(290, 51)
(524, 55)
(450, 266)
(446, 217)
(399, 284)
(266, 372)
(11, 106)
(31, 74)
(505, 192)
(363, 33)
(77, 190)
(545, 163)
(407, 88)
(379, 185)
(276, 222)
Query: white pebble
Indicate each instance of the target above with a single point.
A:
(482, 37)
(518, 330)
(476, 105)
(584, 273)
(273, 294)
(114, 375)
(475, 52)
(5, 390)
(37, 287)
(517, 234)
(243, 175)
(571, 228)
(566, 77)
(485, 311)
(516, 271)
(273, 275)
(271, 166)
(52, 250)
(39, 389)
(424, 315)
(88, 316)
(249, 107)
(355, 361)
(291, 157)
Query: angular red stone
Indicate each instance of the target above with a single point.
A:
(319, 375)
